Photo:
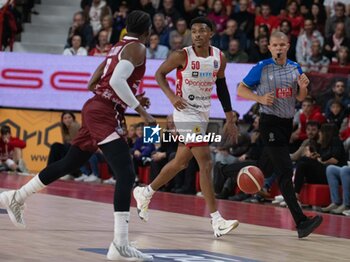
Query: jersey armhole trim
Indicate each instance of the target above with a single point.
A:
(121, 50)
(186, 63)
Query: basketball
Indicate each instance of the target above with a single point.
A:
(250, 179)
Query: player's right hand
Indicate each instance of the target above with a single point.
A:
(179, 103)
(267, 99)
(149, 120)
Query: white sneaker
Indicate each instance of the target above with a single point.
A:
(278, 199)
(142, 202)
(67, 177)
(109, 181)
(346, 212)
(14, 209)
(126, 253)
(222, 227)
(92, 178)
(81, 178)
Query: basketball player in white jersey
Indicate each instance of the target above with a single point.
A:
(199, 67)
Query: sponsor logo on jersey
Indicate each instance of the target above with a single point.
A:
(284, 92)
(191, 97)
(195, 74)
(198, 83)
(216, 64)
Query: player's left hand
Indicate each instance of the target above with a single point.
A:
(144, 101)
(303, 81)
(231, 132)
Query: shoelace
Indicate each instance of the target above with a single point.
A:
(17, 209)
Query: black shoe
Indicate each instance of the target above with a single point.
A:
(239, 197)
(306, 227)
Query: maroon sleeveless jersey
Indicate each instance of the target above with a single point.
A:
(103, 88)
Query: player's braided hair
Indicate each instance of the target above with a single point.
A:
(202, 20)
(138, 22)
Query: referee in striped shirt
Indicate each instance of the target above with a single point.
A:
(278, 82)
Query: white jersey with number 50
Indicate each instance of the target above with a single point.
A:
(195, 81)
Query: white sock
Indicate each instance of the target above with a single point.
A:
(149, 191)
(216, 215)
(121, 228)
(32, 187)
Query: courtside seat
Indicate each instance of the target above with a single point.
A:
(144, 175)
(315, 195)
(103, 169)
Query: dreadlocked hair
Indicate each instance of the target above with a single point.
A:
(138, 22)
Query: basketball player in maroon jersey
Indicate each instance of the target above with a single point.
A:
(199, 67)
(115, 83)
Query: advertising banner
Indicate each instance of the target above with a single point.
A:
(44, 81)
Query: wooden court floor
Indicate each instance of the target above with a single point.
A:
(63, 224)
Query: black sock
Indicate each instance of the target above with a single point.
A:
(118, 157)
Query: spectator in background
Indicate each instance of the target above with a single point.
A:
(156, 50)
(259, 51)
(338, 93)
(90, 171)
(286, 27)
(120, 19)
(334, 42)
(231, 32)
(234, 53)
(294, 17)
(310, 112)
(337, 113)
(76, 48)
(318, 16)
(102, 47)
(11, 151)
(194, 9)
(176, 43)
(112, 32)
(312, 130)
(161, 29)
(245, 20)
(312, 168)
(227, 6)
(316, 62)
(218, 16)
(266, 18)
(181, 29)
(339, 16)
(342, 63)
(171, 14)
(141, 152)
(304, 42)
(338, 176)
(331, 4)
(80, 27)
(147, 6)
(131, 135)
(97, 10)
(69, 130)
(166, 151)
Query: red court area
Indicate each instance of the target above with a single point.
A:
(255, 214)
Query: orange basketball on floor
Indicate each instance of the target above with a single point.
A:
(250, 179)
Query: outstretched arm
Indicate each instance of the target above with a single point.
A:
(175, 60)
